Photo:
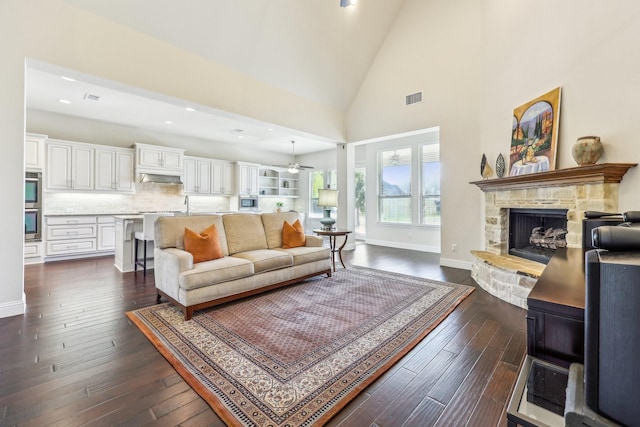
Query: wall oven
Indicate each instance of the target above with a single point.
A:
(33, 206)
(32, 225)
(33, 190)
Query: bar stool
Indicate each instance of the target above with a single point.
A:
(145, 236)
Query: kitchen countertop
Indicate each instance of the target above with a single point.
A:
(128, 216)
(91, 214)
(135, 215)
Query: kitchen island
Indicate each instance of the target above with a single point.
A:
(126, 227)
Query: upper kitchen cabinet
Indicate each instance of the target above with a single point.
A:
(197, 175)
(114, 169)
(208, 176)
(34, 151)
(222, 177)
(69, 165)
(247, 178)
(159, 160)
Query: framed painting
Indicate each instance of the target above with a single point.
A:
(534, 135)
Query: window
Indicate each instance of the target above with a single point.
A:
(320, 179)
(430, 184)
(394, 186)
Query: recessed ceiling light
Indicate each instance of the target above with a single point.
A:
(190, 109)
(240, 136)
(168, 122)
(69, 79)
(64, 101)
(270, 129)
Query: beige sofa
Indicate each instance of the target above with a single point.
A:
(254, 260)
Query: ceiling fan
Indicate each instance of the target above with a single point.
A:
(294, 167)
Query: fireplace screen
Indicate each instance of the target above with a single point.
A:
(535, 234)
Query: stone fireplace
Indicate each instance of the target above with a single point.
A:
(573, 190)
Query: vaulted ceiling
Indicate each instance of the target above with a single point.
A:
(312, 48)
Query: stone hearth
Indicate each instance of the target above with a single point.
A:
(580, 189)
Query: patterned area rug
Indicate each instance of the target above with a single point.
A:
(297, 355)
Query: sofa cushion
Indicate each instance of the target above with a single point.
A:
(305, 254)
(266, 259)
(216, 271)
(245, 232)
(203, 246)
(169, 230)
(292, 235)
(273, 223)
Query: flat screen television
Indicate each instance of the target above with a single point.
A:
(612, 334)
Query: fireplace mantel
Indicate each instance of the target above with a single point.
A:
(590, 174)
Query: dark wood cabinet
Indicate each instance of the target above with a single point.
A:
(555, 315)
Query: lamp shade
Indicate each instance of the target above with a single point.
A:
(328, 198)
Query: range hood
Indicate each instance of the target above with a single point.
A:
(160, 179)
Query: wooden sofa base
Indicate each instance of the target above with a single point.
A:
(188, 310)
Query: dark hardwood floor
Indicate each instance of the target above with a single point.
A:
(75, 359)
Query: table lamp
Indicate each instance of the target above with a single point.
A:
(328, 199)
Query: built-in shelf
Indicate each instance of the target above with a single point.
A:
(590, 174)
(276, 182)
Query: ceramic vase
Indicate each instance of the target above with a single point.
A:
(587, 150)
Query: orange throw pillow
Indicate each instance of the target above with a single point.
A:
(293, 235)
(204, 246)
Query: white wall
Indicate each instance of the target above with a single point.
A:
(434, 47)
(478, 60)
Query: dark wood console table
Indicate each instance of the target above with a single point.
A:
(555, 315)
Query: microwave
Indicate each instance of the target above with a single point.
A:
(248, 203)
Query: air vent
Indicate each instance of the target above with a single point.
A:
(414, 98)
(91, 97)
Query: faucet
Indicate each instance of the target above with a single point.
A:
(186, 202)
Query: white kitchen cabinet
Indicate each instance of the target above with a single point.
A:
(156, 159)
(222, 177)
(70, 235)
(106, 238)
(34, 149)
(197, 175)
(69, 166)
(114, 169)
(32, 252)
(248, 178)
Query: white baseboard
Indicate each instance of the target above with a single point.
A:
(456, 263)
(13, 308)
(399, 245)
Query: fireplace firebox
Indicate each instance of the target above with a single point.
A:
(535, 234)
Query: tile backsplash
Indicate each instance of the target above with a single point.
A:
(148, 197)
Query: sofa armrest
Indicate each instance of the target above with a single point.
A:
(313, 241)
(168, 264)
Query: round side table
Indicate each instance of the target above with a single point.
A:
(332, 234)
